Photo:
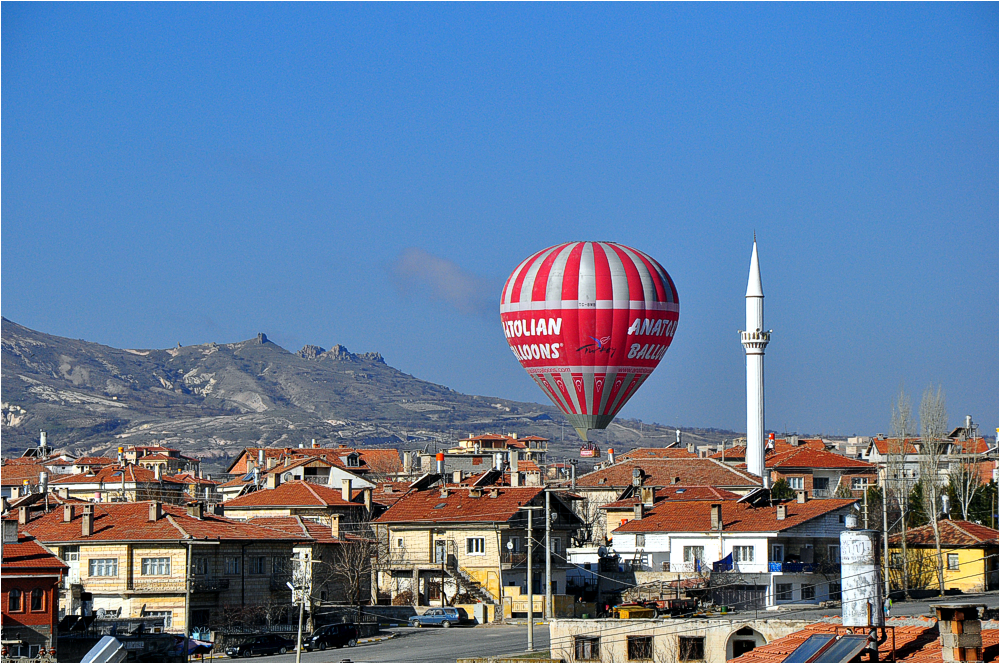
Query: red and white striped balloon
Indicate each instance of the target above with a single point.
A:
(589, 321)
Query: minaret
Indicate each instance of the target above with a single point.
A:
(755, 340)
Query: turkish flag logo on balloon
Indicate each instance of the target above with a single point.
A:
(589, 321)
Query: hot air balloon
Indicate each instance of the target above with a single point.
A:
(589, 321)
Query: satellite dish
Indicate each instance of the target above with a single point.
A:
(101, 613)
(602, 551)
(510, 545)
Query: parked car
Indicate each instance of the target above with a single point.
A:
(265, 644)
(332, 636)
(445, 617)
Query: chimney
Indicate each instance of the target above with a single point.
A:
(444, 492)
(88, 509)
(315, 445)
(9, 531)
(637, 511)
(475, 493)
(196, 510)
(87, 524)
(68, 512)
(494, 493)
(23, 515)
(647, 493)
(270, 463)
(273, 479)
(677, 437)
(456, 477)
(335, 526)
(691, 448)
(439, 463)
(155, 511)
(64, 492)
(801, 496)
(367, 494)
(513, 461)
(676, 480)
(716, 516)
(960, 630)
(260, 458)
(793, 441)
(345, 490)
(611, 455)
(407, 461)
(782, 511)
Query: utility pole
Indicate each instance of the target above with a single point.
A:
(302, 603)
(885, 531)
(531, 579)
(548, 556)
(187, 607)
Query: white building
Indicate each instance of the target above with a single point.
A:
(781, 554)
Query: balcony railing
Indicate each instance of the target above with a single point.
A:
(521, 557)
(158, 586)
(209, 585)
(791, 567)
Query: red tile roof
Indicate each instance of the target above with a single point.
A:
(658, 453)
(953, 533)
(191, 478)
(780, 445)
(970, 446)
(884, 445)
(93, 461)
(297, 493)
(306, 528)
(913, 643)
(370, 459)
(459, 506)
(695, 516)
(808, 457)
(129, 522)
(15, 474)
(676, 492)
(663, 472)
(132, 474)
(28, 553)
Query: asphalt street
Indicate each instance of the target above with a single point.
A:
(432, 645)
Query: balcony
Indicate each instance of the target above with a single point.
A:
(792, 568)
(153, 587)
(515, 558)
(209, 585)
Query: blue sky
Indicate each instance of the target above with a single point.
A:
(370, 174)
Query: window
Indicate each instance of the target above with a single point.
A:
(796, 483)
(778, 553)
(279, 566)
(167, 616)
(784, 591)
(556, 544)
(475, 546)
(588, 648)
(693, 553)
(517, 544)
(859, 483)
(14, 598)
(258, 565)
(808, 592)
(821, 483)
(953, 561)
(201, 565)
(835, 591)
(743, 554)
(103, 567)
(640, 648)
(834, 553)
(640, 540)
(691, 649)
(156, 566)
(37, 599)
(399, 542)
(232, 565)
(71, 554)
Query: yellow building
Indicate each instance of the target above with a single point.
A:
(968, 556)
(471, 541)
(135, 557)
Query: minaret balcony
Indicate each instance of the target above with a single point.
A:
(755, 339)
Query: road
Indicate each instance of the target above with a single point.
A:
(432, 645)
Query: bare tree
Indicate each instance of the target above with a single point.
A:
(964, 477)
(897, 489)
(933, 423)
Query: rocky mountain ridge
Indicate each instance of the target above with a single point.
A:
(213, 399)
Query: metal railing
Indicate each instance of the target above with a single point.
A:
(521, 557)
(144, 585)
(209, 585)
(791, 567)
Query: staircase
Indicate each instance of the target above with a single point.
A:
(473, 587)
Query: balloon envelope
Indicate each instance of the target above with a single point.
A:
(589, 321)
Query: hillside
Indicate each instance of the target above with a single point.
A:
(213, 399)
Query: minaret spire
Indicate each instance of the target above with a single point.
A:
(755, 340)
